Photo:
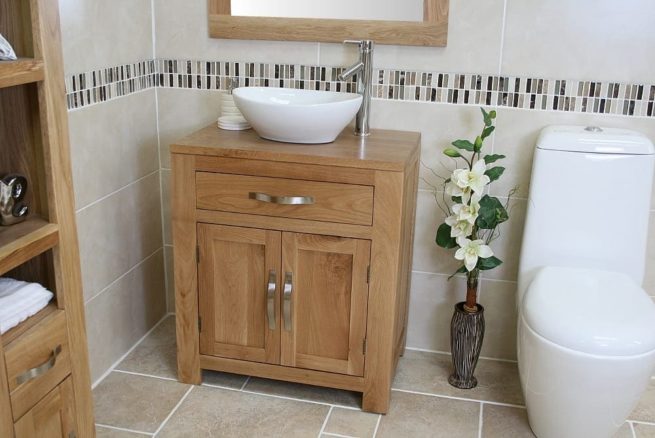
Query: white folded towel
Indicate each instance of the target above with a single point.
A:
(19, 300)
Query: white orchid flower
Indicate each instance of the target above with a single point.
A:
(473, 179)
(471, 250)
(468, 212)
(453, 189)
(459, 228)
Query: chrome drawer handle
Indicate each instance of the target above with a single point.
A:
(288, 290)
(282, 200)
(270, 300)
(41, 369)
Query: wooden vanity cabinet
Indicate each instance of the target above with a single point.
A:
(292, 262)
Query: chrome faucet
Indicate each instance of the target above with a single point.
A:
(363, 68)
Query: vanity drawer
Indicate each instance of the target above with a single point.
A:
(36, 362)
(310, 200)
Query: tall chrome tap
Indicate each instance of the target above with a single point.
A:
(363, 68)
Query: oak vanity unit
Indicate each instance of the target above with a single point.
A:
(292, 262)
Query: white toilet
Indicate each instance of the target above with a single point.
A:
(586, 329)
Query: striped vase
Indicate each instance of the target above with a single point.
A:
(466, 335)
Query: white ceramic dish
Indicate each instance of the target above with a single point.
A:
(297, 116)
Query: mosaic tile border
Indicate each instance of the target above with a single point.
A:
(450, 88)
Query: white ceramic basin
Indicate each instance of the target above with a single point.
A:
(297, 116)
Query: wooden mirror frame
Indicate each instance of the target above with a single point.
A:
(432, 31)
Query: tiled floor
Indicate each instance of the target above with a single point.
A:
(141, 397)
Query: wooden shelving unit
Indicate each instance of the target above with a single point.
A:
(56, 401)
(22, 71)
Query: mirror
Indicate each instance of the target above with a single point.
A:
(404, 22)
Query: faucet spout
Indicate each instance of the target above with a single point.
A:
(363, 68)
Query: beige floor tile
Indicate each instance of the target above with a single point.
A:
(351, 423)
(156, 354)
(225, 380)
(645, 410)
(625, 431)
(428, 372)
(105, 432)
(209, 412)
(505, 422)
(305, 392)
(135, 402)
(413, 415)
(644, 430)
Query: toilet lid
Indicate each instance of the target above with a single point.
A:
(591, 311)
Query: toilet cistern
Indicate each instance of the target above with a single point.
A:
(363, 68)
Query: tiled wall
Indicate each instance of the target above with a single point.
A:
(116, 172)
(537, 63)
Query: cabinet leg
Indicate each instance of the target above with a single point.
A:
(376, 401)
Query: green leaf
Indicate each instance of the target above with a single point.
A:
(488, 159)
(462, 270)
(450, 152)
(487, 117)
(486, 132)
(478, 144)
(443, 237)
(492, 212)
(494, 173)
(488, 263)
(464, 144)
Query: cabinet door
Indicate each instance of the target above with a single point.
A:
(325, 295)
(238, 275)
(52, 417)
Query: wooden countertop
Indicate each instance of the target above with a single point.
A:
(382, 150)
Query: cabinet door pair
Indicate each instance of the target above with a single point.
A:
(284, 298)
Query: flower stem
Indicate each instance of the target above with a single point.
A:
(471, 304)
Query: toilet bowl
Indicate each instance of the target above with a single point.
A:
(586, 352)
(586, 328)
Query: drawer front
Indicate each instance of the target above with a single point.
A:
(37, 362)
(310, 200)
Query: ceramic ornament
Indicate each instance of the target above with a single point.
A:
(6, 51)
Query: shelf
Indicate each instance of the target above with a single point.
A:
(21, 242)
(30, 322)
(22, 71)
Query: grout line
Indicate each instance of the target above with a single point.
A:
(425, 350)
(502, 37)
(161, 426)
(245, 383)
(632, 428)
(647, 423)
(450, 397)
(336, 434)
(123, 429)
(115, 364)
(245, 391)
(169, 379)
(320, 432)
(480, 420)
(441, 274)
(99, 200)
(377, 426)
(161, 202)
(104, 289)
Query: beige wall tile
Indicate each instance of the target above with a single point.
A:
(428, 372)
(182, 112)
(135, 402)
(120, 316)
(502, 421)
(112, 145)
(508, 246)
(350, 422)
(170, 280)
(431, 306)
(499, 301)
(473, 44)
(182, 33)
(104, 34)
(166, 205)
(215, 412)
(587, 39)
(412, 415)
(118, 232)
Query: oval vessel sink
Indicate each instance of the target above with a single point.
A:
(297, 116)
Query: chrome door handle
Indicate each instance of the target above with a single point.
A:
(288, 290)
(282, 200)
(41, 369)
(270, 299)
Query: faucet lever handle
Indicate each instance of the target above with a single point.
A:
(364, 45)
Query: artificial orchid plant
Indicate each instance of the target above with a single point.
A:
(473, 217)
